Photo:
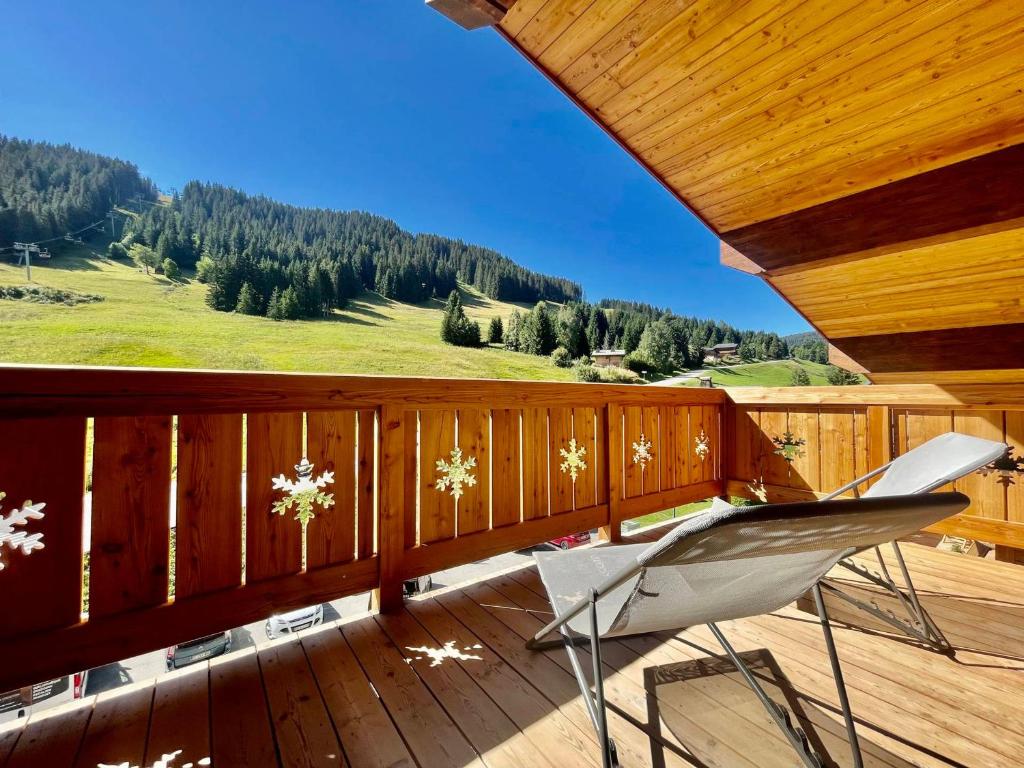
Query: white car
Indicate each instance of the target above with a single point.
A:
(293, 621)
(20, 703)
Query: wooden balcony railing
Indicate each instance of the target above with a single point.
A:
(134, 454)
(842, 432)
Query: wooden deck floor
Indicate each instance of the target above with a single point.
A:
(447, 682)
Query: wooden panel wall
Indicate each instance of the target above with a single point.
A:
(166, 566)
(845, 440)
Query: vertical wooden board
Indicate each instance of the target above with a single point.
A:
(397, 476)
(701, 430)
(683, 445)
(559, 434)
(616, 459)
(43, 461)
(535, 463)
(652, 433)
(669, 426)
(365, 490)
(131, 488)
(602, 452)
(746, 435)
(861, 441)
(837, 448)
(804, 470)
(632, 417)
(987, 494)
(714, 429)
(437, 507)
(583, 429)
(474, 437)
(774, 423)
(411, 478)
(208, 540)
(1015, 492)
(239, 718)
(180, 722)
(505, 470)
(922, 426)
(900, 438)
(331, 447)
(273, 543)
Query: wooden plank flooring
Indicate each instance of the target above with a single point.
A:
(448, 682)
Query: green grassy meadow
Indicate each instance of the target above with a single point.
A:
(147, 320)
(777, 373)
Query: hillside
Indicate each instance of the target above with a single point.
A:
(775, 373)
(151, 321)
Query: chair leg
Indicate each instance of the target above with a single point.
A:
(837, 674)
(794, 735)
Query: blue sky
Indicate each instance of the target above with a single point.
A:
(379, 105)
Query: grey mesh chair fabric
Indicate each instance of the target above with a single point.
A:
(725, 563)
(933, 464)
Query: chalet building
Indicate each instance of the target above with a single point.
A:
(721, 351)
(609, 358)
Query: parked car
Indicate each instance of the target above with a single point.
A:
(417, 585)
(183, 654)
(572, 540)
(293, 621)
(19, 703)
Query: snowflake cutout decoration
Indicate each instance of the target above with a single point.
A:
(456, 474)
(642, 452)
(26, 542)
(1005, 468)
(789, 447)
(447, 651)
(164, 762)
(702, 445)
(303, 493)
(574, 463)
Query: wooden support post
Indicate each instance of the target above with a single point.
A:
(391, 509)
(880, 443)
(613, 441)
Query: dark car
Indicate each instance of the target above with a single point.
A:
(572, 540)
(183, 654)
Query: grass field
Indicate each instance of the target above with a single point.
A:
(777, 373)
(147, 320)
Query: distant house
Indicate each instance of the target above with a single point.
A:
(608, 358)
(720, 351)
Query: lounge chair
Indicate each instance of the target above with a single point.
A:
(725, 563)
(926, 468)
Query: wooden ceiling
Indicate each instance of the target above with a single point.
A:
(864, 157)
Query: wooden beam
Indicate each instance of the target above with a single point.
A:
(999, 397)
(730, 257)
(839, 358)
(951, 349)
(472, 14)
(979, 192)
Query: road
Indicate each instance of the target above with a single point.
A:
(150, 665)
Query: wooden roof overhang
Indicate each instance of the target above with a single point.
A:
(864, 158)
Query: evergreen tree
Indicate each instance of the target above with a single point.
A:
(456, 328)
(800, 378)
(840, 377)
(274, 306)
(248, 301)
(171, 269)
(632, 332)
(514, 331)
(571, 330)
(495, 331)
(537, 335)
(657, 346)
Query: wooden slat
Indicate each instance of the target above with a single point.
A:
(117, 730)
(273, 542)
(652, 431)
(505, 466)
(437, 508)
(366, 732)
(805, 468)
(837, 445)
(302, 727)
(180, 721)
(632, 430)
(239, 719)
(367, 467)
(997, 397)
(43, 461)
(208, 541)
(703, 421)
(559, 434)
(397, 473)
(1015, 492)
(584, 431)
(987, 495)
(425, 727)
(668, 421)
(28, 391)
(535, 463)
(128, 559)
(49, 741)
(474, 506)
(331, 447)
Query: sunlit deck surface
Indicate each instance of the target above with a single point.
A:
(447, 682)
